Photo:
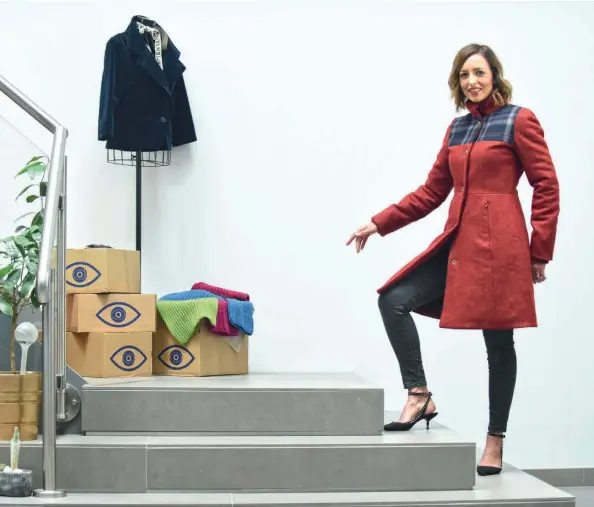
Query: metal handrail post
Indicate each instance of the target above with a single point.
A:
(51, 291)
(49, 397)
(61, 301)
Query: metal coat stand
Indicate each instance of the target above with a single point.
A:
(139, 159)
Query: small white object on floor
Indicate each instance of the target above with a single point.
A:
(26, 334)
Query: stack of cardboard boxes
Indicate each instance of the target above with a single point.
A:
(115, 331)
(109, 323)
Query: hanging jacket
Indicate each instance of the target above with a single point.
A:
(143, 106)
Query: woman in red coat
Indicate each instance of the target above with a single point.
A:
(479, 272)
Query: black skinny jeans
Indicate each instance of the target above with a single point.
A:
(425, 284)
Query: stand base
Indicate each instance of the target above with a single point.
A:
(42, 493)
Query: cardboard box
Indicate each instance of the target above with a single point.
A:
(206, 354)
(111, 313)
(102, 270)
(107, 355)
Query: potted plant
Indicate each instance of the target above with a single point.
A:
(20, 395)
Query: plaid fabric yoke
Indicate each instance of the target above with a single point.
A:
(499, 126)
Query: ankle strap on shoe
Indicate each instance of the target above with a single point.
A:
(428, 393)
(493, 434)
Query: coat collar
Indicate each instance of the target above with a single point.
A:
(172, 67)
(483, 108)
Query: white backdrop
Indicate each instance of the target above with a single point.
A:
(312, 116)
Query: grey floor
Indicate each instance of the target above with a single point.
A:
(584, 496)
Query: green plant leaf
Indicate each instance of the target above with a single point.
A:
(25, 215)
(32, 198)
(5, 270)
(38, 219)
(20, 251)
(4, 249)
(35, 168)
(28, 232)
(24, 241)
(7, 296)
(31, 163)
(33, 234)
(32, 266)
(33, 297)
(13, 276)
(12, 280)
(27, 287)
(24, 190)
(9, 248)
(5, 306)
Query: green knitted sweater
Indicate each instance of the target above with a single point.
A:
(183, 317)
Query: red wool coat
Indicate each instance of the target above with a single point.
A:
(489, 279)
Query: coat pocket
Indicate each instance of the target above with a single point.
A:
(487, 220)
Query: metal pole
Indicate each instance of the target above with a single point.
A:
(61, 302)
(49, 395)
(139, 202)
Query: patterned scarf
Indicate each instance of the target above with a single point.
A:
(157, 38)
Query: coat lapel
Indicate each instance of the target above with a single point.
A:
(172, 67)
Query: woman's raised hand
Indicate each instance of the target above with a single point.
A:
(361, 235)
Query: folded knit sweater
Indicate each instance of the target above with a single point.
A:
(182, 312)
(220, 291)
(182, 317)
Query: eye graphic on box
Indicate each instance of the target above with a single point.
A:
(81, 274)
(173, 357)
(128, 358)
(118, 314)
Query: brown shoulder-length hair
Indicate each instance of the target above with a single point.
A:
(502, 88)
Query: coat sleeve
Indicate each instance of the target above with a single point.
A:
(111, 83)
(425, 199)
(533, 152)
(183, 130)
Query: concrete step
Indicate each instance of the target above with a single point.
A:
(512, 488)
(412, 461)
(281, 404)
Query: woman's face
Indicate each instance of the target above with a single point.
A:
(476, 78)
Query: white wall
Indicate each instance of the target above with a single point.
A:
(312, 116)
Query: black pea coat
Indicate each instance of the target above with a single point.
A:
(143, 107)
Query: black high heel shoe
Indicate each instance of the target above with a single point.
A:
(491, 470)
(405, 426)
